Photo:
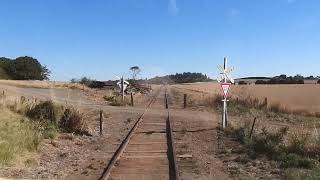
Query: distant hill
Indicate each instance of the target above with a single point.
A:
(178, 78)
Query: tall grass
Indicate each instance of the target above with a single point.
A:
(17, 134)
(23, 124)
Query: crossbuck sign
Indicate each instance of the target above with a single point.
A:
(123, 84)
(225, 80)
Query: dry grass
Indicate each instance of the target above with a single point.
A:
(23, 124)
(295, 98)
(17, 135)
(43, 84)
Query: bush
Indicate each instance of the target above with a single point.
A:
(297, 144)
(73, 121)
(302, 174)
(116, 100)
(296, 161)
(276, 108)
(269, 143)
(45, 111)
(318, 81)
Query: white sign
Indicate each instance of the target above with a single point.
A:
(125, 84)
(225, 72)
(225, 89)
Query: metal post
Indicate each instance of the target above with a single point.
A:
(225, 75)
(185, 101)
(224, 114)
(122, 88)
(101, 125)
(224, 118)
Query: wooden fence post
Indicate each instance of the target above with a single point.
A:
(132, 103)
(266, 102)
(185, 101)
(254, 122)
(101, 124)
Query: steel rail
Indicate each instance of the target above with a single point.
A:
(107, 171)
(174, 173)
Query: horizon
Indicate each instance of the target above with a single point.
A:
(103, 39)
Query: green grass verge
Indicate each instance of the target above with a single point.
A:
(17, 134)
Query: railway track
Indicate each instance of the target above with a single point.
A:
(148, 151)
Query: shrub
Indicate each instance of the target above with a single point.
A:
(303, 174)
(296, 161)
(116, 100)
(237, 133)
(318, 81)
(45, 111)
(73, 121)
(276, 108)
(297, 144)
(269, 143)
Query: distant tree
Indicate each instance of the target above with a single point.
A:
(45, 73)
(261, 82)
(282, 76)
(242, 83)
(318, 81)
(26, 68)
(74, 80)
(4, 62)
(86, 81)
(135, 71)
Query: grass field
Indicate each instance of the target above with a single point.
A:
(43, 84)
(296, 97)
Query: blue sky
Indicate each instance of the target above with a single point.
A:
(103, 38)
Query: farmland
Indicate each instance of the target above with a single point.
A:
(296, 97)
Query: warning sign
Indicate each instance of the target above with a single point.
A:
(225, 89)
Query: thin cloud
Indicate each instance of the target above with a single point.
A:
(172, 7)
(232, 12)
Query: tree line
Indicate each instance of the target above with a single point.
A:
(284, 79)
(24, 68)
(186, 77)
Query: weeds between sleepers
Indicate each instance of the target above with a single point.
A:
(116, 100)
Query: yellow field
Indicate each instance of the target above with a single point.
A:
(295, 97)
(43, 84)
